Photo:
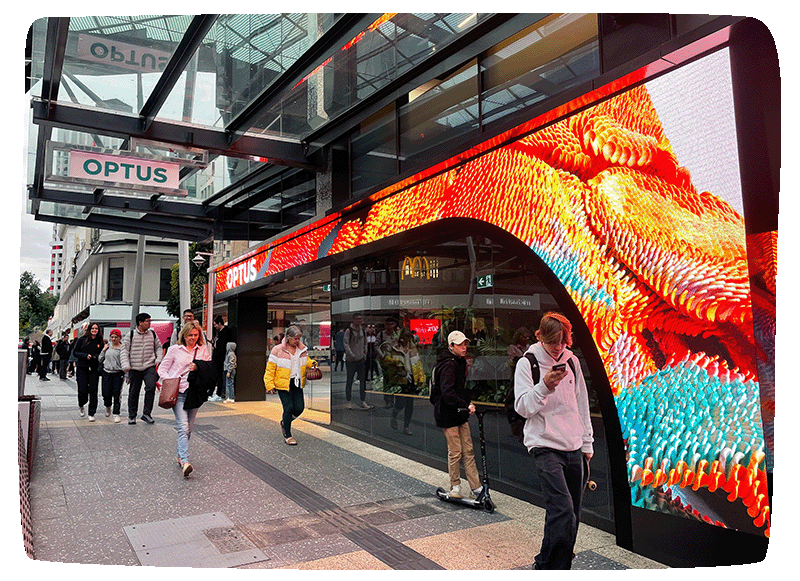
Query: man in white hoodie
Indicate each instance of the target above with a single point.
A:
(558, 433)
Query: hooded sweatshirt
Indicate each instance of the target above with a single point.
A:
(449, 393)
(230, 358)
(557, 419)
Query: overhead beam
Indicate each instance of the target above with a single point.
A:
(344, 30)
(192, 39)
(132, 226)
(285, 152)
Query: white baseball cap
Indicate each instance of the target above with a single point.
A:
(456, 337)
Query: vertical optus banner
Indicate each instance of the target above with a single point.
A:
(635, 205)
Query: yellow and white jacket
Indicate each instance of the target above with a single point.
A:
(279, 366)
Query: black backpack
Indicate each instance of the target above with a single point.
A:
(516, 421)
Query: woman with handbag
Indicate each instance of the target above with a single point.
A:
(177, 364)
(286, 371)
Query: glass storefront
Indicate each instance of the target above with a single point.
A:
(424, 287)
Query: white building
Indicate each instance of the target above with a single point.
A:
(98, 280)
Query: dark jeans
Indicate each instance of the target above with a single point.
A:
(561, 479)
(44, 365)
(62, 367)
(339, 363)
(112, 389)
(354, 367)
(87, 379)
(293, 405)
(148, 376)
(403, 402)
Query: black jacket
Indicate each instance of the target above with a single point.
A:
(202, 382)
(224, 336)
(86, 346)
(449, 391)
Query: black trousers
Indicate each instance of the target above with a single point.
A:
(44, 365)
(112, 390)
(87, 379)
(356, 367)
(148, 377)
(561, 479)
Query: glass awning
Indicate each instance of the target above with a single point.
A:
(256, 93)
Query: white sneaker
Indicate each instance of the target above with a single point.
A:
(116, 419)
(91, 418)
(455, 491)
(108, 411)
(365, 406)
(228, 401)
(83, 411)
(475, 493)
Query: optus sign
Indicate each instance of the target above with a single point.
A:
(120, 54)
(240, 273)
(123, 170)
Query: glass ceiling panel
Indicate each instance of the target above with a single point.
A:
(113, 62)
(389, 47)
(240, 57)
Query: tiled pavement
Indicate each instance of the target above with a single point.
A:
(105, 493)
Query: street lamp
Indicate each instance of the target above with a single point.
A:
(198, 260)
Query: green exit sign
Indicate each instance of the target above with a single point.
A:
(485, 281)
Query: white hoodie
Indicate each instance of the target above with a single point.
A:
(557, 419)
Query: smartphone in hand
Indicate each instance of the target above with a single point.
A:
(559, 367)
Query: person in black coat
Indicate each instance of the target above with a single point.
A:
(451, 411)
(223, 337)
(87, 351)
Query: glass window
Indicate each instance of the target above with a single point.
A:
(556, 53)
(165, 284)
(411, 297)
(115, 283)
(438, 113)
(373, 151)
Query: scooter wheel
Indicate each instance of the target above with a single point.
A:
(488, 505)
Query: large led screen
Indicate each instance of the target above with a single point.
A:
(635, 205)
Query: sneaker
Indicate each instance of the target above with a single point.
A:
(187, 469)
(131, 421)
(476, 492)
(365, 406)
(455, 491)
(228, 401)
(116, 419)
(108, 411)
(83, 411)
(408, 432)
(349, 405)
(148, 419)
(91, 418)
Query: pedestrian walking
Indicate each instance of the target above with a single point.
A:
(558, 433)
(451, 411)
(46, 352)
(180, 361)
(111, 360)
(286, 372)
(141, 354)
(87, 353)
(355, 345)
(229, 367)
(63, 351)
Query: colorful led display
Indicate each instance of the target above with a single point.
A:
(647, 237)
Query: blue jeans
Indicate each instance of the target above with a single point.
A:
(293, 405)
(184, 420)
(230, 383)
(561, 479)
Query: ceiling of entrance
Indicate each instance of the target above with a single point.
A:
(241, 103)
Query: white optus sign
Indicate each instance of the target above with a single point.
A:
(116, 170)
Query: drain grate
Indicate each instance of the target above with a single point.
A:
(382, 546)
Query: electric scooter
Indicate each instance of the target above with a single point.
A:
(483, 501)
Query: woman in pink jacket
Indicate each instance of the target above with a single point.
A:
(178, 362)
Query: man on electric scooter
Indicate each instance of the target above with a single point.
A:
(557, 433)
(452, 409)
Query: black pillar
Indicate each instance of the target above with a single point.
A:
(248, 315)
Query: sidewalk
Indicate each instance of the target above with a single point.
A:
(105, 493)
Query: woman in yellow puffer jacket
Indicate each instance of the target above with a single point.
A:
(286, 371)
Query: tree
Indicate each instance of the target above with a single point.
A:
(198, 276)
(35, 306)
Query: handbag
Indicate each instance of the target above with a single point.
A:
(169, 392)
(313, 373)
